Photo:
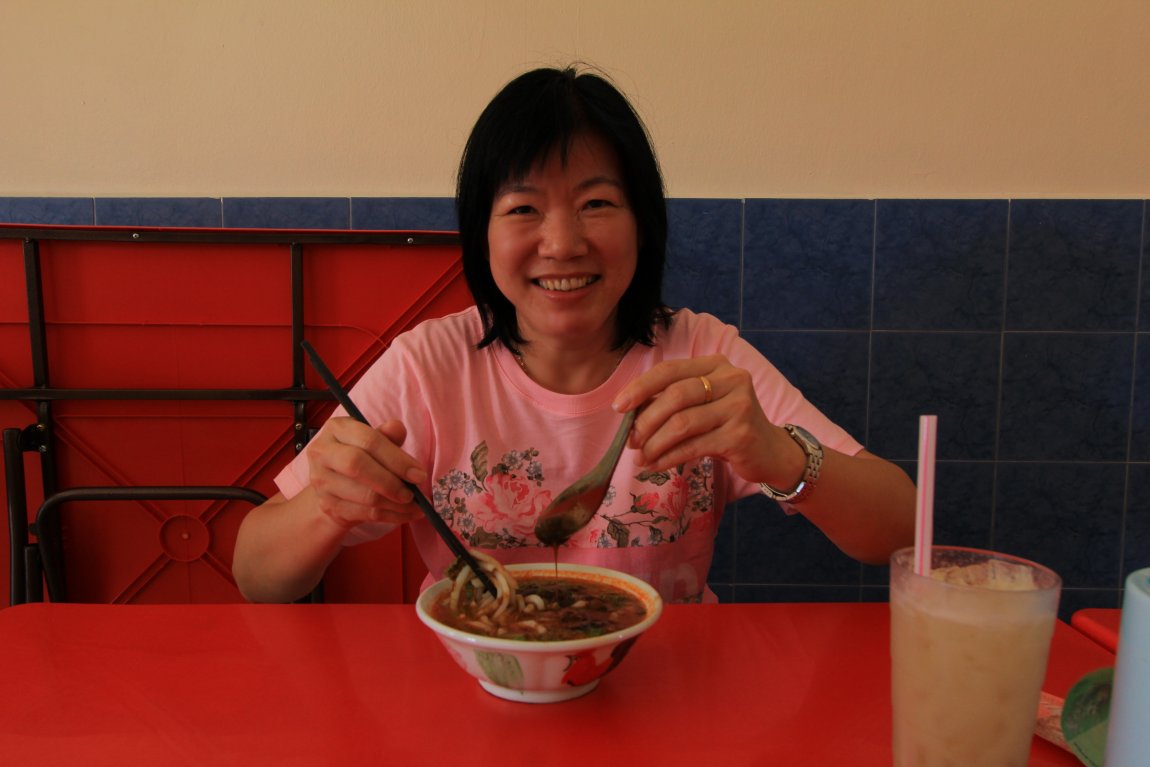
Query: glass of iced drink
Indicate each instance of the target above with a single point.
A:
(968, 653)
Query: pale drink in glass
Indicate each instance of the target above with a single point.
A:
(968, 656)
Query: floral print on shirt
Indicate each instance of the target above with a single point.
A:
(495, 505)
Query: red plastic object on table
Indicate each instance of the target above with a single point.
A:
(1100, 624)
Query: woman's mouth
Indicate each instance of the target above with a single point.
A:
(565, 284)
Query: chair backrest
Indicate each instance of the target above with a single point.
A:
(183, 563)
(154, 385)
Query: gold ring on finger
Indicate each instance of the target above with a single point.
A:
(709, 393)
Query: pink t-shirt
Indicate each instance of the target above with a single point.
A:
(498, 447)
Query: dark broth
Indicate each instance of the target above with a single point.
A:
(575, 609)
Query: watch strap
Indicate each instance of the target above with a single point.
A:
(810, 477)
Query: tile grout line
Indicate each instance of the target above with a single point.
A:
(995, 462)
(869, 350)
(870, 321)
(1125, 516)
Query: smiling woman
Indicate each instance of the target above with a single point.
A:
(551, 133)
(563, 228)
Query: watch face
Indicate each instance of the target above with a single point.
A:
(806, 435)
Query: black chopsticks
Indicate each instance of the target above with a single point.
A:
(433, 517)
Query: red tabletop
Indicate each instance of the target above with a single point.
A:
(803, 684)
(1100, 624)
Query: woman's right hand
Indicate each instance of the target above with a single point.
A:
(357, 472)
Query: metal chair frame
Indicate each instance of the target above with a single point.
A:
(35, 548)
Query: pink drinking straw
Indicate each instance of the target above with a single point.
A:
(924, 500)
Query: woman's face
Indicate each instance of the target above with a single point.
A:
(563, 244)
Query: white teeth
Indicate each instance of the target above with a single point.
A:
(566, 283)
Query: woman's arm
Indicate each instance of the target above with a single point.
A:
(284, 546)
(864, 504)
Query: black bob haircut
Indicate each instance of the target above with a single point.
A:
(536, 113)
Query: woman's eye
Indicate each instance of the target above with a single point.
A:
(593, 204)
(520, 210)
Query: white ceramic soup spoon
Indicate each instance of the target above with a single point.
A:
(573, 508)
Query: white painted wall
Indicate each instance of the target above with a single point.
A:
(745, 98)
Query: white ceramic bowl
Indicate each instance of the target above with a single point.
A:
(543, 672)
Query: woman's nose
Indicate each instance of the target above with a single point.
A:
(562, 237)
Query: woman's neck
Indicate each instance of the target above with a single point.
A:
(569, 371)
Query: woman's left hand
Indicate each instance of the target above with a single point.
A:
(705, 406)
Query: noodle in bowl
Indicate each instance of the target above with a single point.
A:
(521, 664)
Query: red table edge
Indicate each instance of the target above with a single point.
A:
(1100, 624)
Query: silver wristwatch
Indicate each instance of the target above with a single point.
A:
(810, 477)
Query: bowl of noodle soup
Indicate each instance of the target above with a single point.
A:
(551, 633)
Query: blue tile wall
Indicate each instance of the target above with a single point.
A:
(159, 211)
(808, 264)
(1137, 523)
(57, 211)
(391, 213)
(952, 375)
(1140, 417)
(1066, 396)
(287, 213)
(704, 256)
(1024, 324)
(1074, 264)
(939, 264)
